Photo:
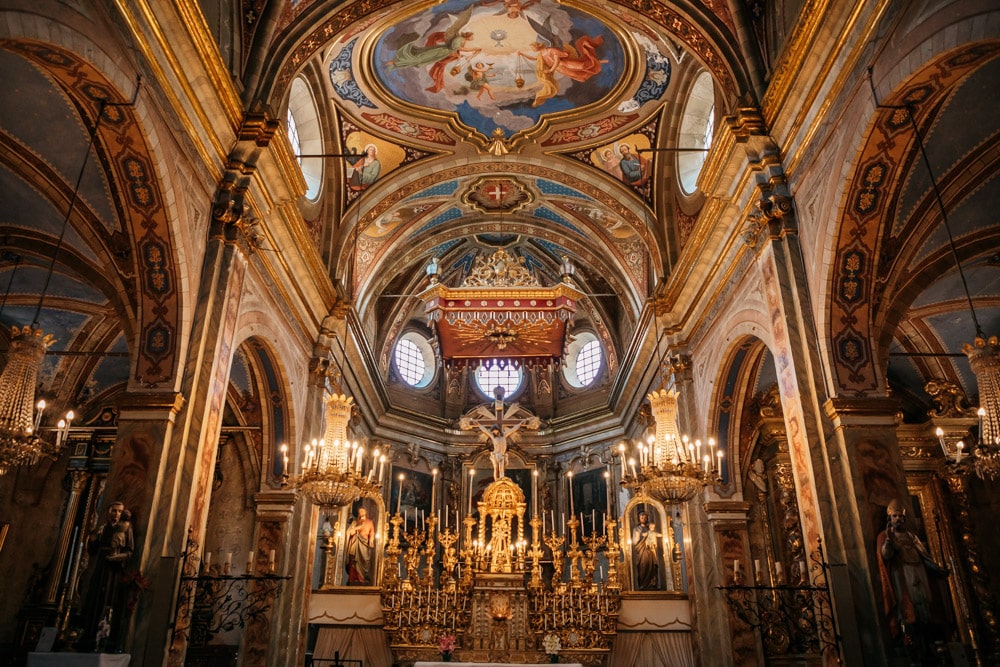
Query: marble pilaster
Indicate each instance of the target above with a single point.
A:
(821, 465)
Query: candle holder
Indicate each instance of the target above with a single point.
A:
(791, 620)
(214, 602)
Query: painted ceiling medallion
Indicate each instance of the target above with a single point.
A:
(500, 63)
(497, 195)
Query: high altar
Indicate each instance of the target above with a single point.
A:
(491, 594)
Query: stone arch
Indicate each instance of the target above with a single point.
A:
(132, 170)
(879, 169)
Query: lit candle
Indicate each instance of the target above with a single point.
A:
(631, 464)
(940, 436)
(434, 480)
(569, 484)
(607, 487)
(621, 452)
(534, 492)
(959, 446)
(399, 492)
(472, 474)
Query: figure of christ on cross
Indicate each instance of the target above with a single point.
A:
(498, 428)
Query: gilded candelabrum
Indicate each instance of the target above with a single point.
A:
(613, 554)
(574, 553)
(555, 542)
(427, 604)
(392, 551)
(536, 553)
(429, 552)
(448, 559)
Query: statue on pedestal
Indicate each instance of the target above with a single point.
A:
(111, 547)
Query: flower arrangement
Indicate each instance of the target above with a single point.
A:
(551, 645)
(446, 644)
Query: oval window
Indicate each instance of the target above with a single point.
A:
(584, 359)
(414, 360)
(305, 136)
(696, 131)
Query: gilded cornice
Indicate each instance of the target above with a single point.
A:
(155, 46)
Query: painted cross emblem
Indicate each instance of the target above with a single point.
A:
(492, 194)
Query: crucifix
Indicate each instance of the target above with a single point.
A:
(499, 429)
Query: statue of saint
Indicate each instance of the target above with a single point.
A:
(645, 557)
(111, 545)
(360, 549)
(904, 565)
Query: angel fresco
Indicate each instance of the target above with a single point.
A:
(497, 64)
(439, 47)
(552, 56)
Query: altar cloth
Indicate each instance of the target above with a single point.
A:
(486, 664)
(78, 659)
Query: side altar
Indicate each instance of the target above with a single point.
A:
(490, 592)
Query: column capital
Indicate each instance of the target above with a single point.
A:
(138, 406)
(863, 411)
(278, 504)
(727, 510)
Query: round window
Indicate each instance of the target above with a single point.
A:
(584, 359)
(697, 128)
(493, 375)
(414, 360)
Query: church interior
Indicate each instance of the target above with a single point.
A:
(626, 333)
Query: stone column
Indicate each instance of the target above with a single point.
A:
(822, 466)
(64, 546)
(724, 638)
(273, 638)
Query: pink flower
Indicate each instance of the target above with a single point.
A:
(446, 643)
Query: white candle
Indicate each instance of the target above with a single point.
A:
(208, 558)
(534, 492)
(472, 474)
(272, 556)
(399, 494)
(736, 566)
(777, 572)
(564, 524)
(569, 484)
(607, 487)
(434, 480)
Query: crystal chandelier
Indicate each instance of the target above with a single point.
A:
(671, 468)
(984, 358)
(333, 468)
(20, 443)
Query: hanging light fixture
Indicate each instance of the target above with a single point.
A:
(670, 467)
(333, 469)
(984, 358)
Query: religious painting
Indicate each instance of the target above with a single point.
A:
(361, 543)
(414, 502)
(368, 159)
(500, 64)
(646, 541)
(590, 499)
(623, 159)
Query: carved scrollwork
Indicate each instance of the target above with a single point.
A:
(949, 400)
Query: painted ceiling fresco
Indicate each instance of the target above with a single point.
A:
(500, 63)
